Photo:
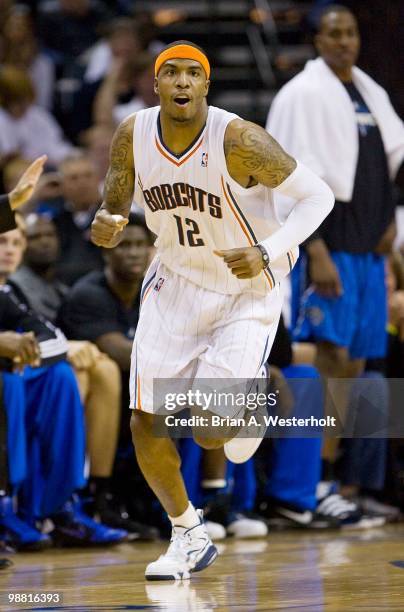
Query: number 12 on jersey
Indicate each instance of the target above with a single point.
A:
(190, 234)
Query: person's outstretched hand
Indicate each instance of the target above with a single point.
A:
(27, 183)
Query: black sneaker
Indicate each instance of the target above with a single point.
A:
(348, 513)
(106, 509)
(373, 507)
(282, 515)
(217, 509)
(121, 520)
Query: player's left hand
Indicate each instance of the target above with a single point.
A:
(243, 263)
(25, 187)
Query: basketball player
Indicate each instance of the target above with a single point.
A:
(211, 299)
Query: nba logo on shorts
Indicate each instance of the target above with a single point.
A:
(204, 161)
(159, 284)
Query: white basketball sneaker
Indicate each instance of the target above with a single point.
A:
(190, 550)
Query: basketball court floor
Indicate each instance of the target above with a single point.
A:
(350, 570)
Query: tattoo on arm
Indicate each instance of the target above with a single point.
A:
(119, 182)
(252, 153)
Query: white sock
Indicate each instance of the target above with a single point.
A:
(187, 519)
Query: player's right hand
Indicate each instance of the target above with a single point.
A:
(324, 276)
(106, 229)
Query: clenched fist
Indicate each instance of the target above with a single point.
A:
(243, 263)
(106, 229)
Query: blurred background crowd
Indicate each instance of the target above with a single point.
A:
(70, 71)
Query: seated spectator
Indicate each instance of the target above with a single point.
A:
(25, 129)
(9, 202)
(121, 43)
(109, 109)
(36, 278)
(45, 425)
(98, 375)
(103, 307)
(97, 143)
(70, 27)
(114, 55)
(21, 49)
(81, 198)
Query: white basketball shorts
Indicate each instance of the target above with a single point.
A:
(188, 332)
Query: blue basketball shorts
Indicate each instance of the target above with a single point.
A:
(357, 319)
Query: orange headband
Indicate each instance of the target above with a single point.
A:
(182, 52)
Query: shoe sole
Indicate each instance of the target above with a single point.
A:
(365, 523)
(208, 558)
(236, 457)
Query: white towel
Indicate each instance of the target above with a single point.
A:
(313, 118)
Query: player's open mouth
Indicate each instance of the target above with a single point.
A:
(181, 100)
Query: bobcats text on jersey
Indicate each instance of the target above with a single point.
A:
(167, 197)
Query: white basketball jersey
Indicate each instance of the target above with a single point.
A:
(194, 206)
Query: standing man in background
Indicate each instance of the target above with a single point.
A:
(340, 122)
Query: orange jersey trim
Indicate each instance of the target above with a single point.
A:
(177, 163)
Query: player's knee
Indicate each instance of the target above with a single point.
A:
(141, 425)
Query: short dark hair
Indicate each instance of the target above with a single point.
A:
(331, 8)
(185, 42)
(138, 219)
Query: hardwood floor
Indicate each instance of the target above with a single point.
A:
(362, 570)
